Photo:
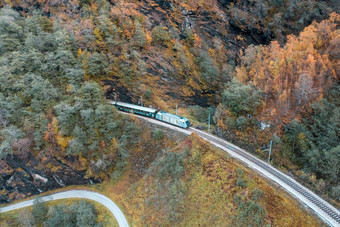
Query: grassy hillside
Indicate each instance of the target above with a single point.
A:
(194, 184)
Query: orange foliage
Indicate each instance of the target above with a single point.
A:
(295, 75)
(52, 140)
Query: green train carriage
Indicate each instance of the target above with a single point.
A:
(131, 108)
(153, 113)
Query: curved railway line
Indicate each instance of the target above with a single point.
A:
(322, 209)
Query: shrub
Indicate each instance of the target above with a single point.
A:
(147, 94)
(231, 123)
(189, 37)
(202, 113)
(241, 99)
(170, 190)
(256, 194)
(97, 64)
(158, 134)
(86, 214)
(199, 113)
(160, 35)
(172, 165)
(78, 214)
(39, 210)
(140, 37)
(336, 192)
(241, 123)
(209, 71)
(26, 218)
(241, 183)
(249, 212)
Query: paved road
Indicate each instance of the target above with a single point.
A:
(82, 194)
(323, 209)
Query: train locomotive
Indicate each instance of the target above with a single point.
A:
(152, 113)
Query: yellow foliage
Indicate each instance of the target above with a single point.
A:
(148, 37)
(79, 52)
(63, 141)
(208, 158)
(198, 41)
(114, 145)
(312, 178)
(69, 88)
(54, 124)
(239, 38)
(97, 33)
(242, 75)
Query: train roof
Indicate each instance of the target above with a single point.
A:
(172, 115)
(132, 106)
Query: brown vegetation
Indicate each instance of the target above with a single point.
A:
(207, 191)
(297, 74)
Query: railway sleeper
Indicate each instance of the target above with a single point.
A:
(286, 181)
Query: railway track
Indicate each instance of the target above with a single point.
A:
(322, 208)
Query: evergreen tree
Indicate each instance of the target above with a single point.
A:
(140, 37)
(97, 65)
(86, 215)
(39, 211)
(61, 217)
(11, 34)
(241, 99)
(9, 135)
(209, 70)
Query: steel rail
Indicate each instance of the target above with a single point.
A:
(322, 208)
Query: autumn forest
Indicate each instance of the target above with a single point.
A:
(261, 70)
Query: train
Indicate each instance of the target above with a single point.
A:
(152, 113)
